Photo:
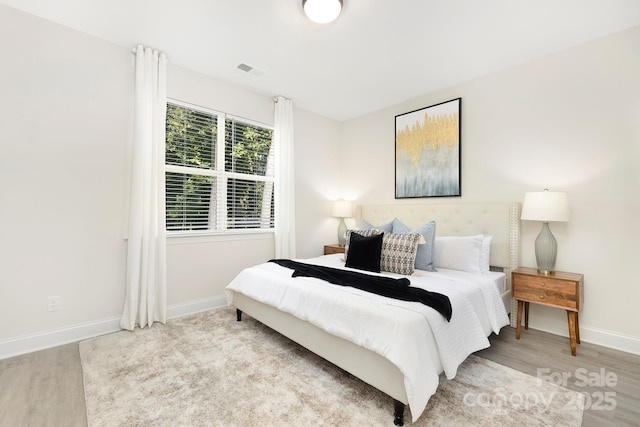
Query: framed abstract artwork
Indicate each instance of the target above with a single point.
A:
(428, 160)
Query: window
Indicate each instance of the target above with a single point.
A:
(219, 171)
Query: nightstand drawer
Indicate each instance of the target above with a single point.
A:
(559, 292)
(546, 296)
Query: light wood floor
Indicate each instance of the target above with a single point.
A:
(536, 349)
(45, 388)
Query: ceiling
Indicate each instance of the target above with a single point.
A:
(377, 53)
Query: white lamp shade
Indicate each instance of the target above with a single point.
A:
(322, 11)
(545, 206)
(342, 209)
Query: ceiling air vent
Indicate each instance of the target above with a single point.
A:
(249, 69)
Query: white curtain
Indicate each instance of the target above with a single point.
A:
(146, 291)
(285, 226)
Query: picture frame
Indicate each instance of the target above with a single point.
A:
(428, 151)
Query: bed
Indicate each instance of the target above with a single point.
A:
(388, 365)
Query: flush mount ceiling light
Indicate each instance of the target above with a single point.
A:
(322, 11)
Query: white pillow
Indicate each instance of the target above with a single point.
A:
(485, 253)
(458, 253)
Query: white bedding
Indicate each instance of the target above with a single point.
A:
(498, 278)
(414, 337)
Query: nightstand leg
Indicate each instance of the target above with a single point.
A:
(526, 315)
(577, 328)
(571, 316)
(520, 304)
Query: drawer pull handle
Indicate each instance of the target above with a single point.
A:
(542, 284)
(541, 296)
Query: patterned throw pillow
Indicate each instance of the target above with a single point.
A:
(399, 252)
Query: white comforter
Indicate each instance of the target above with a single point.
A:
(397, 330)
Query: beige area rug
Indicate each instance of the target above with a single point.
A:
(210, 370)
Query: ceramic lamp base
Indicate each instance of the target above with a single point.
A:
(546, 248)
(342, 230)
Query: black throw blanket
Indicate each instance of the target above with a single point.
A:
(380, 285)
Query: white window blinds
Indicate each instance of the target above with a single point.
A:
(219, 171)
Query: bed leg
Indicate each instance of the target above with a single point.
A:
(398, 412)
(238, 314)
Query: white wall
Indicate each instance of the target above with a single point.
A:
(66, 127)
(317, 182)
(569, 122)
(66, 106)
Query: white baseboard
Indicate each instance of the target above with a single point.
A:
(192, 307)
(601, 337)
(610, 339)
(53, 338)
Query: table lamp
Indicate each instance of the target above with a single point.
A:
(546, 206)
(342, 209)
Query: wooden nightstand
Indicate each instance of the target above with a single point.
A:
(333, 249)
(559, 289)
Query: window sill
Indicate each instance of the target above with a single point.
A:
(179, 238)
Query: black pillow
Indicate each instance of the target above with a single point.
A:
(364, 252)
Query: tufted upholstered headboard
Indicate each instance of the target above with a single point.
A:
(500, 220)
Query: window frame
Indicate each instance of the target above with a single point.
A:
(221, 176)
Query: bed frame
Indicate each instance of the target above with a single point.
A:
(500, 220)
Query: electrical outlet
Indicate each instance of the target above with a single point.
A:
(54, 303)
